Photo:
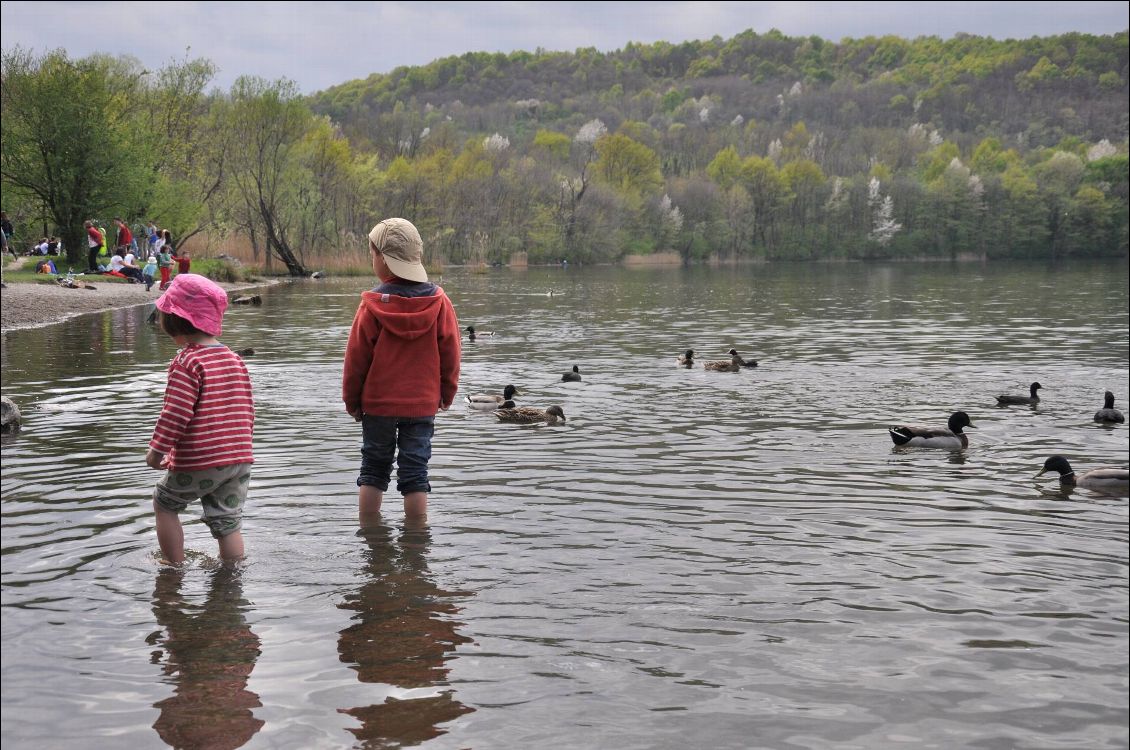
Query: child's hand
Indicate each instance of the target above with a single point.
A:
(355, 413)
(156, 460)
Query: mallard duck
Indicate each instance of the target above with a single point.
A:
(572, 376)
(733, 364)
(1106, 479)
(472, 334)
(1108, 413)
(1032, 399)
(742, 362)
(530, 415)
(487, 401)
(934, 437)
(687, 360)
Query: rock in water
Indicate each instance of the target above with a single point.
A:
(10, 417)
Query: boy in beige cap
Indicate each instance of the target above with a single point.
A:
(401, 366)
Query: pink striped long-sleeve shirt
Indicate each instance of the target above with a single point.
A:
(208, 416)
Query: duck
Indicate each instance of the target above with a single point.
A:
(1032, 399)
(572, 376)
(687, 360)
(472, 334)
(248, 352)
(1108, 413)
(733, 364)
(742, 362)
(487, 401)
(530, 415)
(1106, 479)
(934, 437)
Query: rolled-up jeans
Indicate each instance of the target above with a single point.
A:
(408, 440)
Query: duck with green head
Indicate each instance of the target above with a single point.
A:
(949, 438)
(1110, 479)
(487, 401)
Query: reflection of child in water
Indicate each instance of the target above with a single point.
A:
(402, 634)
(208, 655)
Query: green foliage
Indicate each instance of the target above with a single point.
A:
(761, 145)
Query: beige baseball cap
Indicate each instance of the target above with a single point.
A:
(403, 250)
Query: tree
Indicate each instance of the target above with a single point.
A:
(65, 139)
(265, 123)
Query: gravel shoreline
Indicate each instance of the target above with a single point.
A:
(29, 305)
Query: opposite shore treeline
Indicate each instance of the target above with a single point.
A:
(761, 146)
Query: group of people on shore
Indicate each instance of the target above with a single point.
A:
(160, 255)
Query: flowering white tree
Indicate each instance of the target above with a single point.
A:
(672, 216)
(590, 132)
(737, 121)
(775, 149)
(496, 143)
(884, 227)
(1101, 150)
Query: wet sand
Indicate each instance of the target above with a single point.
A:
(26, 305)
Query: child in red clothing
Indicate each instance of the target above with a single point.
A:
(401, 366)
(184, 263)
(203, 435)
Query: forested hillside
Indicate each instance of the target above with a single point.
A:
(758, 146)
(763, 145)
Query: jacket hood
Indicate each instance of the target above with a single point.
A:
(404, 317)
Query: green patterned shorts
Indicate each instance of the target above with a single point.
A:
(221, 491)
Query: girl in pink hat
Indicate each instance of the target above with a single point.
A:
(203, 436)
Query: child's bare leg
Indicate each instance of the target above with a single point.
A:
(369, 499)
(416, 505)
(231, 546)
(170, 534)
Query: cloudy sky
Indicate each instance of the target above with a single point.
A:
(324, 43)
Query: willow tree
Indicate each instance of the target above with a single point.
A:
(65, 138)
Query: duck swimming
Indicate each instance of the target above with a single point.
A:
(486, 401)
(1032, 399)
(742, 362)
(722, 365)
(1108, 413)
(687, 360)
(572, 376)
(1105, 479)
(472, 333)
(530, 415)
(934, 437)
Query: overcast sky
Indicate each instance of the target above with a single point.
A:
(321, 44)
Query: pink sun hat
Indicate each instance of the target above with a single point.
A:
(197, 299)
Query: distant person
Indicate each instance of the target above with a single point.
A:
(149, 271)
(184, 262)
(401, 366)
(131, 266)
(40, 248)
(94, 240)
(125, 236)
(164, 263)
(152, 235)
(203, 435)
(52, 245)
(9, 232)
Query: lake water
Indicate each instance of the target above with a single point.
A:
(694, 559)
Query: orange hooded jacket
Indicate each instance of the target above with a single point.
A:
(402, 359)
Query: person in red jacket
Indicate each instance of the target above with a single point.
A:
(401, 366)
